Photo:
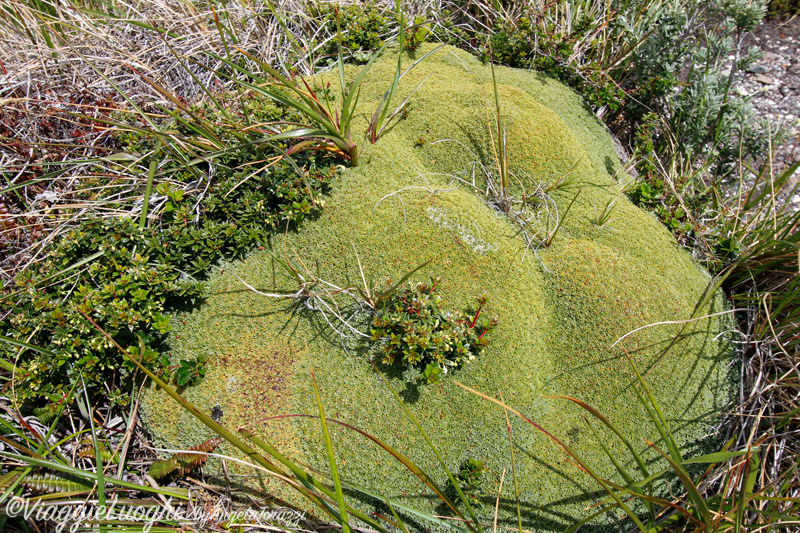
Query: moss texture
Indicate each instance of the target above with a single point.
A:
(559, 312)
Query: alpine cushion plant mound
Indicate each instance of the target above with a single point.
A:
(403, 207)
(418, 332)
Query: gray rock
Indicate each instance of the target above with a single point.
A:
(766, 80)
(757, 69)
(785, 90)
(769, 56)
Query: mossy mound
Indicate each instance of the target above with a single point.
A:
(560, 310)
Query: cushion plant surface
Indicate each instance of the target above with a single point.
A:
(561, 307)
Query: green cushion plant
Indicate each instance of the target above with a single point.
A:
(564, 287)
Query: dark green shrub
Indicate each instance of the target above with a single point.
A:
(417, 331)
(784, 8)
(144, 273)
(470, 478)
(365, 26)
(524, 44)
(191, 372)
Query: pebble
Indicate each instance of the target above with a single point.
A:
(757, 69)
(773, 86)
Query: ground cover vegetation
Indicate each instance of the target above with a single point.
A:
(553, 332)
(113, 148)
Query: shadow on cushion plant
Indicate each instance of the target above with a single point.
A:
(700, 503)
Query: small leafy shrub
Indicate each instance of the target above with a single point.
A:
(416, 34)
(784, 8)
(470, 478)
(524, 44)
(191, 372)
(367, 25)
(679, 75)
(144, 273)
(418, 332)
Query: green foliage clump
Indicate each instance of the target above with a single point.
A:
(784, 8)
(524, 44)
(190, 372)
(658, 72)
(666, 61)
(367, 26)
(416, 34)
(419, 332)
(470, 478)
(143, 273)
(700, 118)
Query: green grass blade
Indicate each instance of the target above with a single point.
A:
(552, 236)
(603, 483)
(350, 97)
(399, 456)
(595, 413)
(654, 413)
(753, 462)
(691, 489)
(455, 484)
(100, 479)
(393, 288)
(339, 59)
(22, 344)
(331, 458)
(398, 521)
(11, 428)
(309, 482)
(45, 178)
(718, 457)
(513, 466)
(91, 476)
(410, 510)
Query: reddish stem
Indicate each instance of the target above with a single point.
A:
(474, 320)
